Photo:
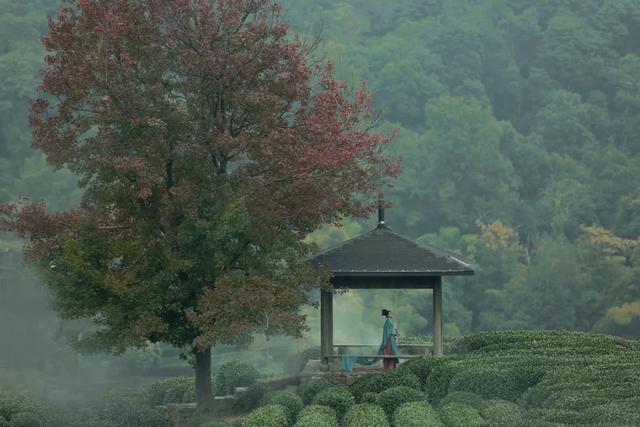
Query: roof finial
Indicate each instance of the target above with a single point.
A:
(381, 210)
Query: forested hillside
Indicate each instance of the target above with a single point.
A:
(518, 123)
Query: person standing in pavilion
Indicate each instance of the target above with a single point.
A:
(389, 344)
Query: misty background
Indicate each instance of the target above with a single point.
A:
(518, 122)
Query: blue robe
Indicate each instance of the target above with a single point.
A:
(388, 333)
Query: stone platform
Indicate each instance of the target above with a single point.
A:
(313, 373)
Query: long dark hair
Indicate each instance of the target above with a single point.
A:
(385, 312)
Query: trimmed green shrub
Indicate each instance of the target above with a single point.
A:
(317, 416)
(460, 415)
(472, 399)
(25, 419)
(392, 398)
(267, 416)
(437, 383)
(170, 391)
(253, 397)
(338, 398)
(614, 413)
(369, 398)
(232, 375)
(290, 401)
(422, 367)
(11, 403)
(308, 391)
(366, 415)
(129, 408)
(4, 422)
(496, 382)
(501, 413)
(416, 414)
(376, 383)
(215, 423)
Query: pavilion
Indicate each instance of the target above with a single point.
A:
(382, 259)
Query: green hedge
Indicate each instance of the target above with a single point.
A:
(501, 413)
(369, 397)
(13, 403)
(338, 398)
(173, 390)
(376, 383)
(460, 415)
(4, 422)
(129, 408)
(253, 397)
(267, 416)
(392, 398)
(25, 419)
(472, 399)
(422, 367)
(288, 400)
(232, 375)
(317, 416)
(496, 382)
(308, 391)
(366, 415)
(416, 414)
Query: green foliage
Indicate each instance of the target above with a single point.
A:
(13, 403)
(124, 409)
(468, 398)
(172, 390)
(311, 353)
(501, 413)
(391, 398)
(309, 390)
(421, 368)
(496, 382)
(376, 383)
(288, 400)
(4, 422)
(267, 416)
(460, 415)
(232, 375)
(25, 419)
(369, 397)
(416, 414)
(252, 397)
(365, 415)
(338, 398)
(317, 416)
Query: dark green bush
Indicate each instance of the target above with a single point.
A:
(338, 398)
(309, 390)
(416, 414)
(129, 408)
(393, 397)
(460, 415)
(501, 413)
(4, 422)
(290, 401)
(232, 375)
(614, 413)
(365, 415)
(12, 403)
(496, 381)
(317, 416)
(472, 399)
(25, 419)
(422, 367)
(376, 383)
(170, 391)
(267, 416)
(437, 384)
(215, 423)
(369, 398)
(252, 398)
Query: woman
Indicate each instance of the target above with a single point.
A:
(389, 345)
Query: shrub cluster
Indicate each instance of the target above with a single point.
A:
(308, 391)
(232, 375)
(267, 416)
(461, 415)
(365, 415)
(317, 416)
(501, 413)
(252, 398)
(471, 399)
(288, 400)
(416, 414)
(174, 390)
(390, 399)
(376, 383)
(25, 419)
(338, 398)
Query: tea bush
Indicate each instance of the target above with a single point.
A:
(4, 422)
(422, 368)
(317, 416)
(129, 408)
(267, 416)
(375, 383)
(25, 419)
(232, 375)
(392, 398)
(14, 403)
(501, 413)
(338, 398)
(308, 391)
(460, 415)
(170, 391)
(253, 397)
(290, 401)
(472, 399)
(369, 397)
(496, 382)
(416, 414)
(365, 415)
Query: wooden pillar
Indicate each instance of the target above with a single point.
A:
(437, 317)
(326, 327)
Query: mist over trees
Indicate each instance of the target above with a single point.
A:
(518, 123)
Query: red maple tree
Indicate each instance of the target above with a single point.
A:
(208, 147)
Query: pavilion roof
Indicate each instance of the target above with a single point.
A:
(381, 252)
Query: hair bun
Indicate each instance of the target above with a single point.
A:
(385, 312)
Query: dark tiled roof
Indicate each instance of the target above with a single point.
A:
(382, 252)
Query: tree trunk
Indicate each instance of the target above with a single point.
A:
(204, 393)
